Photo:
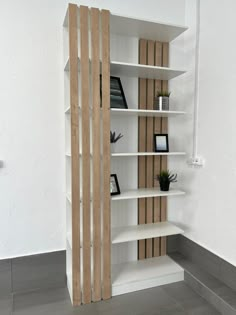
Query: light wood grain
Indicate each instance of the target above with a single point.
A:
(75, 167)
(105, 14)
(85, 153)
(149, 140)
(142, 122)
(157, 159)
(95, 54)
(164, 129)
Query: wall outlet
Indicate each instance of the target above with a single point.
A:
(196, 162)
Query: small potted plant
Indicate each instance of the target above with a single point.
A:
(162, 100)
(114, 139)
(165, 178)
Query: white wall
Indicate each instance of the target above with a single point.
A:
(208, 211)
(32, 183)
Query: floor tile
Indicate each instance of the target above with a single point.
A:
(5, 277)
(6, 306)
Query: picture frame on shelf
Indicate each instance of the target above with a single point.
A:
(161, 142)
(114, 185)
(117, 95)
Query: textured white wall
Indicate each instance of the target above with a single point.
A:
(208, 213)
(32, 205)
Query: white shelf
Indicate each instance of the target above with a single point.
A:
(131, 26)
(68, 196)
(143, 274)
(144, 71)
(135, 27)
(143, 231)
(137, 70)
(145, 113)
(127, 154)
(140, 112)
(146, 193)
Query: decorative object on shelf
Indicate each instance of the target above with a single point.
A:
(117, 95)
(114, 185)
(165, 178)
(162, 100)
(114, 139)
(161, 143)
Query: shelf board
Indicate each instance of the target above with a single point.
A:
(144, 71)
(143, 231)
(127, 154)
(136, 70)
(146, 193)
(140, 112)
(152, 30)
(135, 27)
(143, 274)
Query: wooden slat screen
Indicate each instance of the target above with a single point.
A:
(151, 209)
(96, 247)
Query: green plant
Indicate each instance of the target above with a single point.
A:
(163, 94)
(166, 176)
(114, 138)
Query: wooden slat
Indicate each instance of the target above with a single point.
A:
(75, 171)
(164, 129)
(142, 146)
(106, 294)
(157, 159)
(85, 153)
(95, 53)
(149, 140)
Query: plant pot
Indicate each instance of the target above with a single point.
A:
(162, 103)
(164, 185)
(113, 147)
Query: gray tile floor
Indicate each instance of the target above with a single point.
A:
(176, 299)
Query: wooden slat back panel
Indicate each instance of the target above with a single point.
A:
(84, 45)
(106, 293)
(149, 140)
(164, 129)
(95, 56)
(75, 167)
(142, 123)
(157, 159)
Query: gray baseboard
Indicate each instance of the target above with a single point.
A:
(34, 272)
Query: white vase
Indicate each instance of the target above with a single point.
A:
(113, 147)
(163, 102)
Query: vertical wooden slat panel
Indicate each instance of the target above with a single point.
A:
(157, 159)
(142, 146)
(149, 140)
(106, 153)
(85, 153)
(75, 172)
(96, 154)
(164, 129)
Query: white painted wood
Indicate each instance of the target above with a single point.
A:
(146, 193)
(127, 154)
(135, 27)
(145, 113)
(144, 71)
(143, 274)
(143, 231)
(131, 26)
(137, 70)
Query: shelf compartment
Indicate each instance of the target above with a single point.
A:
(135, 27)
(143, 231)
(143, 274)
(136, 70)
(146, 193)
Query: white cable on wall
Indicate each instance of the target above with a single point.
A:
(195, 160)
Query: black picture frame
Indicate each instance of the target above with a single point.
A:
(161, 142)
(117, 95)
(114, 185)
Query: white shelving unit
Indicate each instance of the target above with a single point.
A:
(143, 274)
(143, 231)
